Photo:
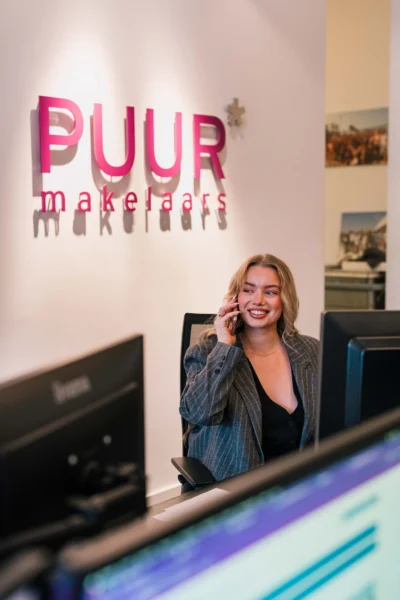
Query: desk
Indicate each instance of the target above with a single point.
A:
(354, 290)
(159, 508)
(211, 492)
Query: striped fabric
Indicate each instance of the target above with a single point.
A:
(220, 398)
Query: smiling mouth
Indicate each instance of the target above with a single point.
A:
(258, 314)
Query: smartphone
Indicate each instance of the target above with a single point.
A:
(234, 322)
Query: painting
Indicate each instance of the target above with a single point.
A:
(357, 138)
(363, 237)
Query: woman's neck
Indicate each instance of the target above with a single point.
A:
(261, 340)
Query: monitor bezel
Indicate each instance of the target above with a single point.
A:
(358, 350)
(348, 324)
(12, 391)
(79, 560)
(128, 377)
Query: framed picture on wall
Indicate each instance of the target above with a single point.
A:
(357, 138)
(363, 238)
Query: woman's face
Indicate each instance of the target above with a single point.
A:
(260, 297)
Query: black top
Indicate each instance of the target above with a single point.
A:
(281, 432)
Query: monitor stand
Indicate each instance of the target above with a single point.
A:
(117, 494)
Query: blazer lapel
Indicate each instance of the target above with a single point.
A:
(244, 383)
(302, 372)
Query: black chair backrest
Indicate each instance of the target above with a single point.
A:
(193, 325)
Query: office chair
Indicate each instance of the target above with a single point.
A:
(193, 474)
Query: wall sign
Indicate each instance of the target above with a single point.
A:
(55, 200)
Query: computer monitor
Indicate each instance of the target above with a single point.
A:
(72, 446)
(25, 576)
(323, 524)
(359, 368)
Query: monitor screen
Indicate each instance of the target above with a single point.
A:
(359, 366)
(334, 534)
(67, 434)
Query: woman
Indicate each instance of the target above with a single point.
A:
(251, 384)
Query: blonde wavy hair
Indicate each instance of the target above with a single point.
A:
(290, 301)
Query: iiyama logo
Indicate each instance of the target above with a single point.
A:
(69, 390)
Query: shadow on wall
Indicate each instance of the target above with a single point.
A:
(58, 157)
(51, 221)
(159, 188)
(119, 188)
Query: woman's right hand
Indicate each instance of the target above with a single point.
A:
(225, 322)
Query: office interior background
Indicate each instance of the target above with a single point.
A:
(67, 290)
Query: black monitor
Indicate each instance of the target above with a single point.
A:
(72, 446)
(317, 524)
(25, 576)
(359, 368)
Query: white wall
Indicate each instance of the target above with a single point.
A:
(61, 296)
(357, 78)
(393, 238)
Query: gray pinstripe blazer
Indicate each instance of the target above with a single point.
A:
(220, 398)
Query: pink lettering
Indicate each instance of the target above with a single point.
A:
(204, 201)
(48, 139)
(153, 164)
(74, 130)
(130, 201)
(53, 200)
(210, 149)
(85, 204)
(166, 205)
(221, 203)
(187, 203)
(103, 164)
(107, 199)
